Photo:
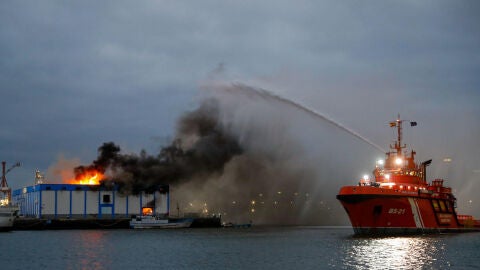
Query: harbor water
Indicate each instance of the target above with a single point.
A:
(234, 248)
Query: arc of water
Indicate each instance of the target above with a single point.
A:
(262, 93)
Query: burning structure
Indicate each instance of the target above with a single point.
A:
(86, 198)
(80, 201)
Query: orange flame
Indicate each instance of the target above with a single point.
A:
(146, 211)
(92, 177)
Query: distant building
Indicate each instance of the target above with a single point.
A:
(74, 201)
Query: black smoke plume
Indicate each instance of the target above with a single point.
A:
(202, 147)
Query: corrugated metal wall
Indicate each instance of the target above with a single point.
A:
(81, 201)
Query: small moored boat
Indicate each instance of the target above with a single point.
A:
(155, 222)
(7, 216)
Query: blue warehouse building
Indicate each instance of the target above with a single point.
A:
(74, 201)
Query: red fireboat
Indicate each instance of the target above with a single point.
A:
(399, 200)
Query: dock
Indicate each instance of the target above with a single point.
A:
(22, 224)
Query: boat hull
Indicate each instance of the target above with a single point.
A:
(7, 217)
(148, 222)
(176, 225)
(6, 224)
(387, 231)
(375, 211)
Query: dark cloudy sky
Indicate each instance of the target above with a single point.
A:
(74, 75)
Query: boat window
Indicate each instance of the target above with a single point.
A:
(442, 206)
(449, 207)
(435, 205)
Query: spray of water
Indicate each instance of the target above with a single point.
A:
(239, 88)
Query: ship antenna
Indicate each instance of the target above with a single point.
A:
(398, 124)
(398, 144)
(399, 127)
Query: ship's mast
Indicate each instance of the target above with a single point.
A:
(398, 144)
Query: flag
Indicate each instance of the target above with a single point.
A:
(426, 163)
(393, 124)
(412, 124)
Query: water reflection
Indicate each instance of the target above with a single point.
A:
(393, 253)
(89, 250)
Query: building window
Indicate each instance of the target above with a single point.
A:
(106, 198)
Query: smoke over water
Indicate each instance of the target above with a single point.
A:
(248, 156)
